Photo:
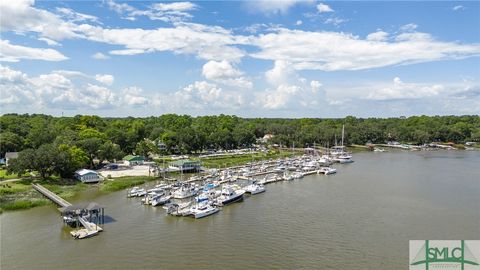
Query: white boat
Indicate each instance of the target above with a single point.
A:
(255, 188)
(156, 190)
(378, 149)
(327, 170)
(309, 166)
(185, 191)
(343, 159)
(207, 195)
(136, 192)
(83, 233)
(229, 195)
(160, 200)
(297, 175)
(292, 168)
(280, 168)
(203, 209)
(177, 209)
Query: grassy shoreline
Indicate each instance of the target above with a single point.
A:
(238, 160)
(20, 195)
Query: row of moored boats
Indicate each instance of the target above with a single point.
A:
(221, 188)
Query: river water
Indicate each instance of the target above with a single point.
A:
(360, 218)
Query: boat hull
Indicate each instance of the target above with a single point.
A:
(253, 192)
(206, 214)
(232, 200)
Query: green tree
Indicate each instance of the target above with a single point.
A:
(91, 146)
(144, 148)
(10, 142)
(110, 151)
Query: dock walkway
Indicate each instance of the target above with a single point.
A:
(50, 195)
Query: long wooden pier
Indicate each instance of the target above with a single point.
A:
(50, 195)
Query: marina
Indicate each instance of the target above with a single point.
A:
(294, 224)
(204, 195)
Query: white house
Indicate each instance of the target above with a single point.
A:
(9, 156)
(88, 176)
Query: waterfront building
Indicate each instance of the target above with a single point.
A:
(131, 160)
(88, 176)
(185, 165)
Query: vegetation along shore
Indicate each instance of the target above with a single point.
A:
(50, 149)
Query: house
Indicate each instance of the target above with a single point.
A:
(9, 156)
(131, 160)
(88, 176)
(185, 165)
(265, 138)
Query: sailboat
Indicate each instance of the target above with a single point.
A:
(342, 156)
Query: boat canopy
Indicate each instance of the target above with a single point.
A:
(91, 206)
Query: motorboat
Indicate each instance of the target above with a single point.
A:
(327, 170)
(280, 168)
(230, 195)
(136, 192)
(342, 159)
(203, 209)
(83, 233)
(177, 209)
(156, 190)
(297, 175)
(160, 200)
(185, 191)
(255, 188)
(292, 168)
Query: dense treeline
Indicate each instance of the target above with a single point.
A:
(59, 145)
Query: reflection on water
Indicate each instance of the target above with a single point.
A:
(360, 218)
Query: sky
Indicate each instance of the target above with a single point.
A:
(248, 58)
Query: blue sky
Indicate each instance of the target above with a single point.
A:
(248, 58)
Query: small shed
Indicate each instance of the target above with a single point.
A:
(88, 176)
(9, 156)
(185, 165)
(133, 160)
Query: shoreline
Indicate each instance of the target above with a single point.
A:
(19, 195)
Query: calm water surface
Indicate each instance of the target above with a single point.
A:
(360, 218)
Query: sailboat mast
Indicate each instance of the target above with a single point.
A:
(343, 134)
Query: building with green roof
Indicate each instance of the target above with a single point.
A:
(185, 165)
(131, 160)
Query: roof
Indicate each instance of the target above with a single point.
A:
(133, 158)
(182, 162)
(84, 172)
(82, 206)
(11, 155)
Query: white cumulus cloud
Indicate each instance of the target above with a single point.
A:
(100, 56)
(321, 8)
(330, 51)
(13, 53)
(401, 90)
(377, 36)
(105, 78)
